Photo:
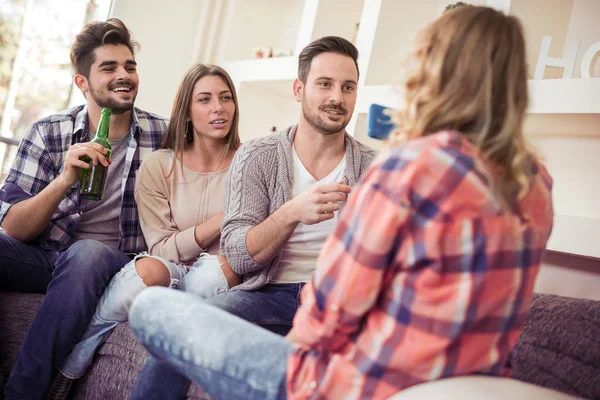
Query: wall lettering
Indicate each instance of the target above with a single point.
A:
(567, 62)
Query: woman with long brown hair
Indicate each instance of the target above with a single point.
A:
(430, 270)
(180, 197)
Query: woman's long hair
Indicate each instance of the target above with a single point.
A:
(467, 72)
(180, 132)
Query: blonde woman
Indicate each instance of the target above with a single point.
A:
(180, 198)
(431, 267)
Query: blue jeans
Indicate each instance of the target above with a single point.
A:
(204, 278)
(73, 281)
(227, 357)
(272, 307)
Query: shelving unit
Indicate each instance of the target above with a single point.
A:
(258, 24)
(262, 69)
(560, 110)
(384, 37)
(564, 96)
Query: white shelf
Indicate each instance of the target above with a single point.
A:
(249, 25)
(575, 235)
(548, 96)
(262, 69)
(564, 96)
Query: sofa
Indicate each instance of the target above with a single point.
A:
(556, 357)
(113, 371)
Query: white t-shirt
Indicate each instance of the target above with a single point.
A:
(299, 255)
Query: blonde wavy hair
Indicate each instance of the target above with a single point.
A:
(467, 72)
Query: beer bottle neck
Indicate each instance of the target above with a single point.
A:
(102, 131)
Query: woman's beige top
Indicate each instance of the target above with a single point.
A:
(170, 208)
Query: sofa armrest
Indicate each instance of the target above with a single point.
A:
(479, 387)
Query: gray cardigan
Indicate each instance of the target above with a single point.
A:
(260, 181)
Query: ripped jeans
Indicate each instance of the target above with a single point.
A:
(204, 278)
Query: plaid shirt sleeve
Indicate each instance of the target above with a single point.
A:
(32, 171)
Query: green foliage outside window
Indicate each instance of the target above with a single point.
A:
(456, 5)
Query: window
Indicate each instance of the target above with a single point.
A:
(36, 77)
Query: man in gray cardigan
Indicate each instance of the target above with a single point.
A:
(285, 190)
(282, 201)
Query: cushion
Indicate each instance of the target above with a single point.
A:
(559, 347)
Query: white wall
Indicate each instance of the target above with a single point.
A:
(258, 23)
(399, 22)
(563, 20)
(263, 106)
(391, 46)
(568, 275)
(167, 38)
(569, 144)
(585, 27)
(544, 18)
(331, 21)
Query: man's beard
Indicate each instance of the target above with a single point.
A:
(107, 102)
(318, 123)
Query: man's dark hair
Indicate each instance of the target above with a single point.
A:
(94, 35)
(326, 44)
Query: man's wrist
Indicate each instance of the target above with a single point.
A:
(63, 184)
(286, 215)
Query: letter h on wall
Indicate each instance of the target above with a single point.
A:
(568, 60)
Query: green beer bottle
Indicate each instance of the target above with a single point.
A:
(93, 180)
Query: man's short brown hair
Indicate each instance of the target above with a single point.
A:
(326, 44)
(94, 35)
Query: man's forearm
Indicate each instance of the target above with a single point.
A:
(266, 239)
(28, 218)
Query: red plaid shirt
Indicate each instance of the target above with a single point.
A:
(427, 275)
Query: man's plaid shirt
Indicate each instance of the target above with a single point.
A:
(40, 159)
